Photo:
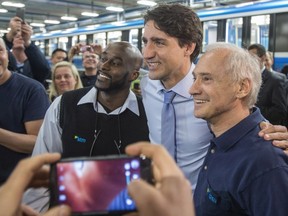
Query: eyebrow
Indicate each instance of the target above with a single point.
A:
(154, 39)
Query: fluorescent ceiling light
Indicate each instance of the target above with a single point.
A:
(90, 14)
(37, 24)
(69, 18)
(3, 31)
(116, 9)
(244, 4)
(51, 21)
(3, 10)
(146, 2)
(13, 4)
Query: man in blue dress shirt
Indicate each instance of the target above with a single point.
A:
(172, 40)
(242, 173)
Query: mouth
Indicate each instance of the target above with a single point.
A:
(153, 65)
(104, 76)
(199, 101)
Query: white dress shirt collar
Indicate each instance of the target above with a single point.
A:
(179, 88)
(130, 103)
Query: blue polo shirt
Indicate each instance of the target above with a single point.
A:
(243, 174)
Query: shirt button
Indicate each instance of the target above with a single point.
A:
(205, 167)
(212, 151)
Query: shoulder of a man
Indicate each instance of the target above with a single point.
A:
(68, 102)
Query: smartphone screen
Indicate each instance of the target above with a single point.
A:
(97, 185)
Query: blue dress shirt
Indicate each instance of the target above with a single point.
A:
(192, 134)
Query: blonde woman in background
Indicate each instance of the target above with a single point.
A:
(65, 77)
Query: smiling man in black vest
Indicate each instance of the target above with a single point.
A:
(98, 120)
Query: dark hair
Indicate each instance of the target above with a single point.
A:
(261, 51)
(284, 70)
(58, 50)
(178, 21)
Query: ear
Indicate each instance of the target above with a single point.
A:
(134, 75)
(244, 88)
(189, 49)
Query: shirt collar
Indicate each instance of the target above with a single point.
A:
(234, 134)
(130, 103)
(182, 87)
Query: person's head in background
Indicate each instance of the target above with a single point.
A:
(260, 51)
(284, 70)
(65, 77)
(4, 62)
(15, 25)
(269, 61)
(172, 41)
(58, 55)
(89, 62)
(227, 83)
(18, 43)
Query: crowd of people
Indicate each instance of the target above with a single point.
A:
(218, 146)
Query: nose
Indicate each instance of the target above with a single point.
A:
(148, 51)
(62, 78)
(104, 65)
(194, 89)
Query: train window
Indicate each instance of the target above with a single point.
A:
(114, 36)
(234, 31)
(41, 45)
(82, 39)
(53, 44)
(133, 37)
(281, 33)
(63, 43)
(100, 38)
(74, 40)
(260, 30)
(209, 33)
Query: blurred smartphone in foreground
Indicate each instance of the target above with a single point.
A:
(20, 12)
(97, 185)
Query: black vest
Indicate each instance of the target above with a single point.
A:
(81, 124)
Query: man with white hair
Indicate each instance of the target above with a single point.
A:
(242, 174)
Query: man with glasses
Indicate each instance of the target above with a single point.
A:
(90, 59)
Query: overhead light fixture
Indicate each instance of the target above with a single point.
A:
(90, 14)
(3, 31)
(51, 21)
(146, 2)
(3, 10)
(116, 9)
(69, 18)
(13, 4)
(34, 24)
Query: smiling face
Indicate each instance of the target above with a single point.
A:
(166, 60)
(213, 91)
(64, 79)
(3, 62)
(90, 60)
(116, 67)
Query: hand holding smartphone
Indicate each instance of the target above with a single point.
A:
(97, 185)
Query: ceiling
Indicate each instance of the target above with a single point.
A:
(39, 10)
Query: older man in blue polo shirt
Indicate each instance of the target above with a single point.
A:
(242, 174)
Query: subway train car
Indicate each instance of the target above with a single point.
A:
(263, 22)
